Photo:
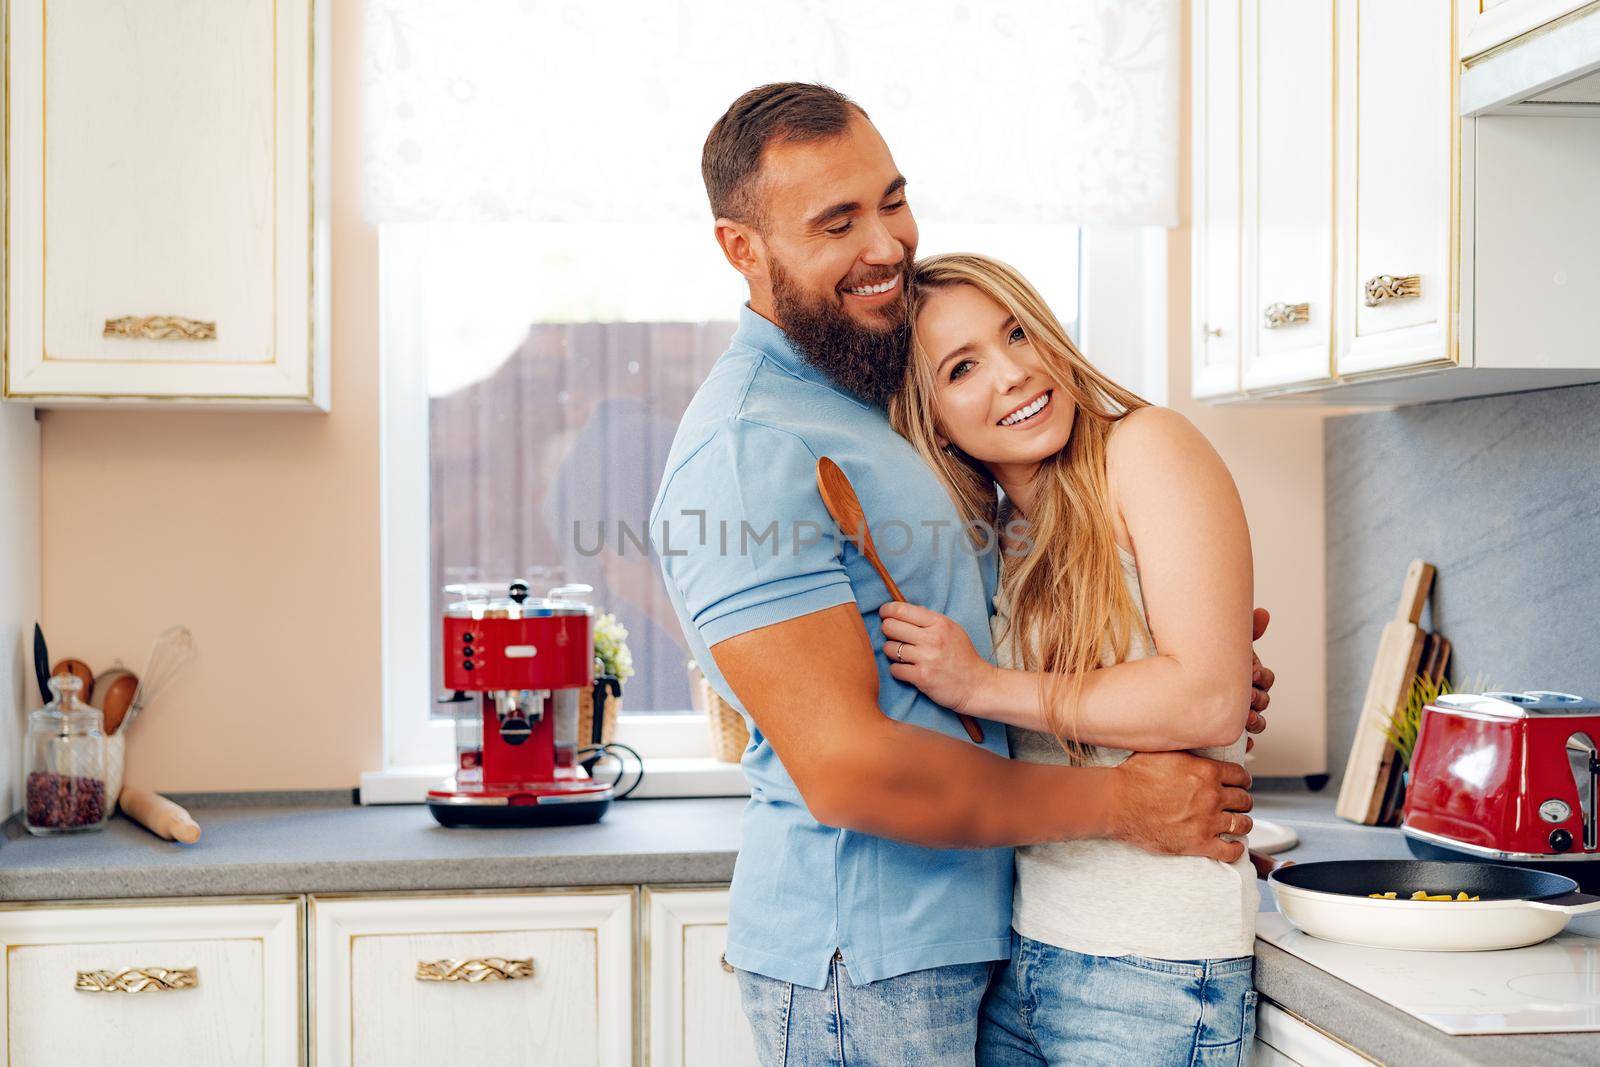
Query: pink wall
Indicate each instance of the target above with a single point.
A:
(257, 531)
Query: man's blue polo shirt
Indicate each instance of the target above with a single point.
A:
(745, 542)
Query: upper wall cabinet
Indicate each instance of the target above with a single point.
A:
(1397, 193)
(1263, 195)
(167, 219)
(1216, 222)
(1389, 250)
(1288, 191)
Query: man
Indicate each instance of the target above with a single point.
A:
(873, 887)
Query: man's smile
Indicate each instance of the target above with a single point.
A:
(875, 290)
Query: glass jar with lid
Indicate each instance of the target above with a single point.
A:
(65, 788)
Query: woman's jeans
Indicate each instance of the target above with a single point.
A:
(1052, 1005)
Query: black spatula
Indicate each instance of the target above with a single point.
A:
(41, 663)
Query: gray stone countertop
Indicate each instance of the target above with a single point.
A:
(1381, 1032)
(314, 843)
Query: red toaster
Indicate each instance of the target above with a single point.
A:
(1509, 777)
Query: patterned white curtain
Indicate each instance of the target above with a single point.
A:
(1028, 111)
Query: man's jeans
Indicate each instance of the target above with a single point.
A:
(928, 1018)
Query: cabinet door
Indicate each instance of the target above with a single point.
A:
(692, 995)
(1288, 191)
(159, 985)
(1215, 230)
(168, 222)
(1398, 138)
(520, 978)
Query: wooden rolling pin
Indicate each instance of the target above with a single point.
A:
(159, 815)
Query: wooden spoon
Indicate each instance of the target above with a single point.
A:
(839, 497)
(80, 670)
(114, 691)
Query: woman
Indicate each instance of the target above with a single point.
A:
(1123, 623)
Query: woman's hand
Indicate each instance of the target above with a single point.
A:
(932, 652)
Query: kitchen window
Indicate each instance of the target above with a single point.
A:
(544, 322)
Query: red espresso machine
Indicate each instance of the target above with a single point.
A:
(516, 666)
(1509, 778)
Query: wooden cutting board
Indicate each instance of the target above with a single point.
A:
(1433, 665)
(1366, 773)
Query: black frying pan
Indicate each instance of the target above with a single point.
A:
(1516, 907)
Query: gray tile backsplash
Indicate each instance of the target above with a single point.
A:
(1502, 495)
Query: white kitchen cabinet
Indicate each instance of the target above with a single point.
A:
(167, 237)
(1216, 199)
(1397, 203)
(213, 983)
(1287, 191)
(490, 978)
(1283, 1040)
(1485, 24)
(1462, 260)
(692, 1010)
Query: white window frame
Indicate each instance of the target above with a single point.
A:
(1122, 316)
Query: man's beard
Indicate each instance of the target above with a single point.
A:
(869, 362)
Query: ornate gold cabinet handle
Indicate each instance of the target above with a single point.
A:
(1383, 288)
(1212, 331)
(1286, 314)
(161, 328)
(479, 969)
(138, 980)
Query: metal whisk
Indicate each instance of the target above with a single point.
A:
(170, 653)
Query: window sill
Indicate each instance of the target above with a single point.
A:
(678, 776)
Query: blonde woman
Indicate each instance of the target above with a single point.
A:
(1123, 623)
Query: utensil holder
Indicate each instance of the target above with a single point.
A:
(608, 721)
(729, 735)
(115, 751)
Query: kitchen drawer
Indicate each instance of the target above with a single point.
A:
(1485, 24)
(218, 984)
(691, 995)
(1283, 1040)
(516, 978)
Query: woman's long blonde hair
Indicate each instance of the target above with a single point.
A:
(1070, 606)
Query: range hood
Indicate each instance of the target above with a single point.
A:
(1552, 70)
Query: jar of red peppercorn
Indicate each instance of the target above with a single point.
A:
(65, 791)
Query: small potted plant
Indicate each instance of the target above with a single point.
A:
(1406, 720)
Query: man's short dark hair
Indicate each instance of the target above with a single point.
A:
(786, 112)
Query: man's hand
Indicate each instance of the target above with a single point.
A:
(1176, 803)
(1261, 679)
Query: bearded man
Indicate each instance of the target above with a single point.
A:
(872, 894)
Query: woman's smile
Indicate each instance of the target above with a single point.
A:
(1029, 414)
